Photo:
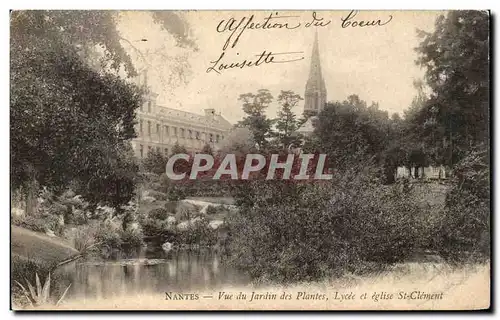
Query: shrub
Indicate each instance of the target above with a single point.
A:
(197, 232)
(465, 228)
(158, 195)
(211, 210)
(171, 206)
(287, 231)
(82, 237)
(132, 237)
(158, 214)
(108, 235)
(186, 211)
(38, 223)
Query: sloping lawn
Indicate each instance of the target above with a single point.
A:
(39, 247)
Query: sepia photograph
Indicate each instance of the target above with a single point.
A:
(250, 160)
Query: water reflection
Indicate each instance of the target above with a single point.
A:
(150, 272)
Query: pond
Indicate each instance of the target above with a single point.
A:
(149, 272)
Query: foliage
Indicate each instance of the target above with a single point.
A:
(197, 232)
(456, 60)
(37, 223)
(100, 119)
(155, 162)
(289, 231)
(159, 214)
(158, 195)
(465, 231)
(211, 210)
(83, 237)
(286, 123)
(41, 294)
(350, 130)
(177, 149)
(254, 106)
(239, 141)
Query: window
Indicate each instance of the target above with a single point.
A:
(190, 134)
(149, 106)
(197, 135)
(175, 131)
(140, 127)
(149, 128)
(211, 138)
(158, 149)
(141, 150)
(141, 107)
(149, 149)
(217, 138)
(166, 151)
(158, 128)
(183, 133)
(165, 129)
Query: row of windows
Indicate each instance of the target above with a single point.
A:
(178, 132)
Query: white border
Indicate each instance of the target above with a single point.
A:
(200, 5)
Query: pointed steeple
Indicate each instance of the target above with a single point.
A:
(315, 94)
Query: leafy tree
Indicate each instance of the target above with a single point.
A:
(350, 132)
(155, 162)
(456, 60)
(287, 122)
(71, 116)
(177, 148)
(254, 105)
(66, 119)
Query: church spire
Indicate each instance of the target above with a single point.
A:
(315, 94)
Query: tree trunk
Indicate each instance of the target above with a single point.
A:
(31, 198)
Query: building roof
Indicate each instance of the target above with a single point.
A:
(210, 118)
(308, 126)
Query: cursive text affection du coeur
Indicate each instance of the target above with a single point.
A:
(235, 28)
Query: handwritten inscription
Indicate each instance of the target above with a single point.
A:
(263, 58)
(349, 21)
(235, 28)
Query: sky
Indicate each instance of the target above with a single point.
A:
(375, 62)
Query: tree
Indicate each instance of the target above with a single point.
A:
(287, 123)
(350, 132)
(254, 105)
(71, 115)
(66, 119)
(456, 60)
(177, 149)
(155, 162)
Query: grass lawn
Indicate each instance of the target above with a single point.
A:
(36, 246)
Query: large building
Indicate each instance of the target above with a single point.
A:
(315, 94)
(160, 128)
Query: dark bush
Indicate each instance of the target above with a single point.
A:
(465, 231)
(198, 232)
(158, 195)
(158, 214)
(303, 232)
(211, 210)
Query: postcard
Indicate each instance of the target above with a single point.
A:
(250, 160)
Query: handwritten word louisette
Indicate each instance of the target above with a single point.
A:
(263, 58)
